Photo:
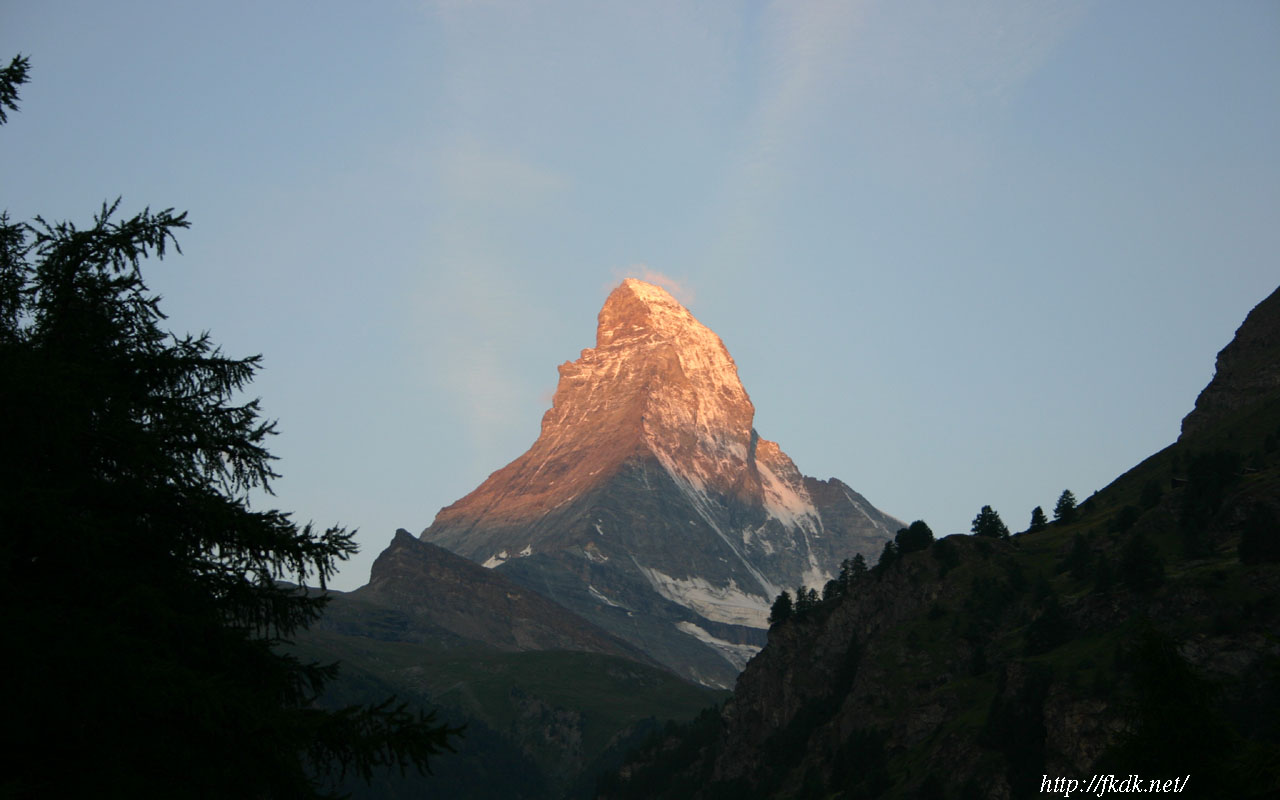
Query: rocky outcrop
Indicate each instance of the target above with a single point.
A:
(1247, 372)
(918, 684)
(1138, 640)
(448, 592)
(649, 503)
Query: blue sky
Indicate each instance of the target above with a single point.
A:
(963, 254)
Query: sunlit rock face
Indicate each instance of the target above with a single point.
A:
(650, 505)
(1247, 373)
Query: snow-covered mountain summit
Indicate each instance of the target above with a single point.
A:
(650, 504)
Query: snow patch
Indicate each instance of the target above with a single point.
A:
(501, 557)
(815, 577)
(790, 507)
(703, 505)
(736, 654)
(597, 595)
(495, 559)
(717, 603)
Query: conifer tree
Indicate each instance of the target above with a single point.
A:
(145, 613)
(1065, 510)
(989, 524)
(782, 608)
(888, 557)
(1038, 520)
(806, 599)
(832, 589)
(845, 577)
(852, 570)
(917, 536)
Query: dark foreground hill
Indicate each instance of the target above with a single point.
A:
(538, 722)
(547, 698)
(1140, 638)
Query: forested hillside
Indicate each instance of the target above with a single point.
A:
(1135, 634)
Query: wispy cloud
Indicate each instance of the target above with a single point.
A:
(906, 85)
(802, 48)
(679, 288)
(474, 309)
(805, 44)
(472, 316)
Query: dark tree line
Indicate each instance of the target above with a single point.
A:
(916, 537)
(913, 538)
(852, 571)
(1065, 511)
(141, 590)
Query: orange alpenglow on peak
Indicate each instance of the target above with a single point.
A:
(657, 382)
(648, 475)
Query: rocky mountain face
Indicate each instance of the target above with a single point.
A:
(1138, 639)
(976, 684)
(1248, 370)
(440, 591)
(651, 506)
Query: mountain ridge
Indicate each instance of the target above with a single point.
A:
(1135, 638)
(452, 593)
(1247, 370)
(649, 503)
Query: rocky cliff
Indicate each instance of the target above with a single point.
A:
(976, 668)
(1247, 372)
(650, 505)
(1139, 639)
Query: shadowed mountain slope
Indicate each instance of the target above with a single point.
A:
(445, 591)
(547, 697)
(1138, 639)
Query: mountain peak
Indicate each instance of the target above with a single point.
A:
(643, 323)
(657, 379)
(648, 493)
(657, 383)
(645, 292)
(638, 306)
